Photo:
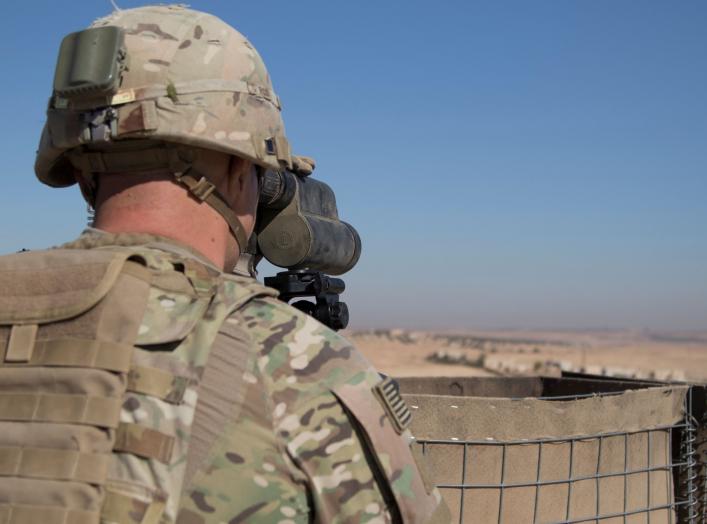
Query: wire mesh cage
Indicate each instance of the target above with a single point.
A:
(536, 450)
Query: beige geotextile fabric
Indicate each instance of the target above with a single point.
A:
(506, 419)
(503, 387)
(632, 444)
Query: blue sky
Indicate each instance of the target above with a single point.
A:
(508, 164)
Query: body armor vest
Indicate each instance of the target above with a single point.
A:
(101, 354)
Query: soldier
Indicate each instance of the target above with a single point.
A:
(149, 384)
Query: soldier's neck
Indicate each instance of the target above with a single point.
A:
(160, 207)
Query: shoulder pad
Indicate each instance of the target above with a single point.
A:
(56, 284)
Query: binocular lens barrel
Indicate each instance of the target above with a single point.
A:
(301, 227)
(335, 246)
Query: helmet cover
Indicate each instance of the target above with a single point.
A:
(187, 78)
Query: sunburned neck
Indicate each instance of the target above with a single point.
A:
(161, 207)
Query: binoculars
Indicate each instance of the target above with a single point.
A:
(298, 229)
(298, 225)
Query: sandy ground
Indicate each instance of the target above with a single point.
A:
(402, 359)
(664, 356)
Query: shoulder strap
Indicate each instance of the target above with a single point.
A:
(221, 393)
(187, 306)
(222, 388)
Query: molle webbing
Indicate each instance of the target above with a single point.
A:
(97, 401)
(60, 464)
(68, 324)
(60, 409)
(23, 514)
(74, 352)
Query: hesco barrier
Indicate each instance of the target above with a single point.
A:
(570, 450)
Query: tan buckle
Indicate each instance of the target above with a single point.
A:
(202, 189)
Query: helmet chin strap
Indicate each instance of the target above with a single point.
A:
(177, 160)
(204, 191)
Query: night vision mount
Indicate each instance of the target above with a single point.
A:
(298, 229)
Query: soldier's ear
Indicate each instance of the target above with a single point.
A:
(243, 175)
(236, 169)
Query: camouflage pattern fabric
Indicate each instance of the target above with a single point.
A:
(292, 451)
(192, 80)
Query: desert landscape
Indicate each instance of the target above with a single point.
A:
(622, 354)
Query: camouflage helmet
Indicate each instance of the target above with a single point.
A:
(178, 76)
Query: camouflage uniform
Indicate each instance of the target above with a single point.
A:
(238, 408)
(276, 436)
